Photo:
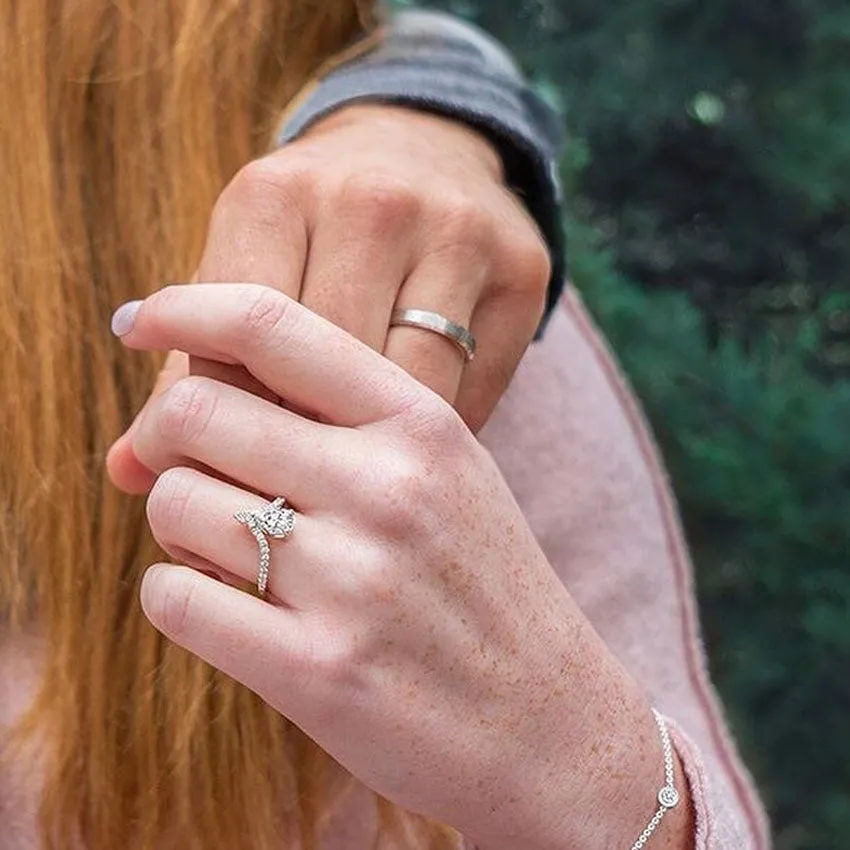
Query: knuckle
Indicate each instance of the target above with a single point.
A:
(463, 221)
(431, 423)
(379, 201)
(266, 315)
(374, 578)
(163, 303)
(530, 261)
(267, 177)
(405, 479)
(333, 660)
(186, 409)
(264, 190)
(445, 431)
(403, 495)
(446, 442)
(167, 505)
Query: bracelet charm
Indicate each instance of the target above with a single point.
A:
(668, 796)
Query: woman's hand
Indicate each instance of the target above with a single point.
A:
(380, 207)
(415, 629)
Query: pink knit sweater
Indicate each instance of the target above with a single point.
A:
(576, 451)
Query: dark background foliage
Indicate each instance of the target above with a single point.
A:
(708, 185)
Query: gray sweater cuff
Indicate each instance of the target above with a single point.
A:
(435, 63)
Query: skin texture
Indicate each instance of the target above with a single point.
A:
(415, 629)
(379, 207)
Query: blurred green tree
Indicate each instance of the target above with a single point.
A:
(708, 180)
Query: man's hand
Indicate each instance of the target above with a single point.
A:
(380, 207)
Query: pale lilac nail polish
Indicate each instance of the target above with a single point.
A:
(124, 318)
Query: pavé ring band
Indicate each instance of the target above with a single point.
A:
(275, 520)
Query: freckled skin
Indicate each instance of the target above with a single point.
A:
(443, 663)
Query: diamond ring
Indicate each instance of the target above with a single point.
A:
(275, 520)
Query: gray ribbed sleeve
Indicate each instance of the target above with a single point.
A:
(434, 62)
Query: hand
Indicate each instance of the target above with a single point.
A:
(415, 630)
(380, 207)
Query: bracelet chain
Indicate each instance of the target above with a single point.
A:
(668, 796)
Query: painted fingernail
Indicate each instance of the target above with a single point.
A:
(124, 318)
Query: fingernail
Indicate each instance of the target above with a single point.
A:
(150, 582)
(124, 318)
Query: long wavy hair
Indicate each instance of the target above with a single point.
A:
(122, 121)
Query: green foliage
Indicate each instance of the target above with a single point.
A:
(708, 178)
(720, 140)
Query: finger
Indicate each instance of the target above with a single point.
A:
(503, 326)
(234, 376)
(257, 234)
(259, 645)
(301, 357)
(126, 471)
(258, 230)
(207, 568)
(359, 255)
(205, 424)
(192, 512)
(450, 288)
(124, 468)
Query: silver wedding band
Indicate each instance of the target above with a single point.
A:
(437, 324)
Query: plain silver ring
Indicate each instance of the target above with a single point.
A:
(434, 322)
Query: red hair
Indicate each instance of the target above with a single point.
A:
(124, 121)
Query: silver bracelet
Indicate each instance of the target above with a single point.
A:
(668, 796)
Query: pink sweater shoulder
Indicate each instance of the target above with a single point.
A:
(574, 446)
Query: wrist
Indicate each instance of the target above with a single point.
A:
(640, 770)
(597, 784)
